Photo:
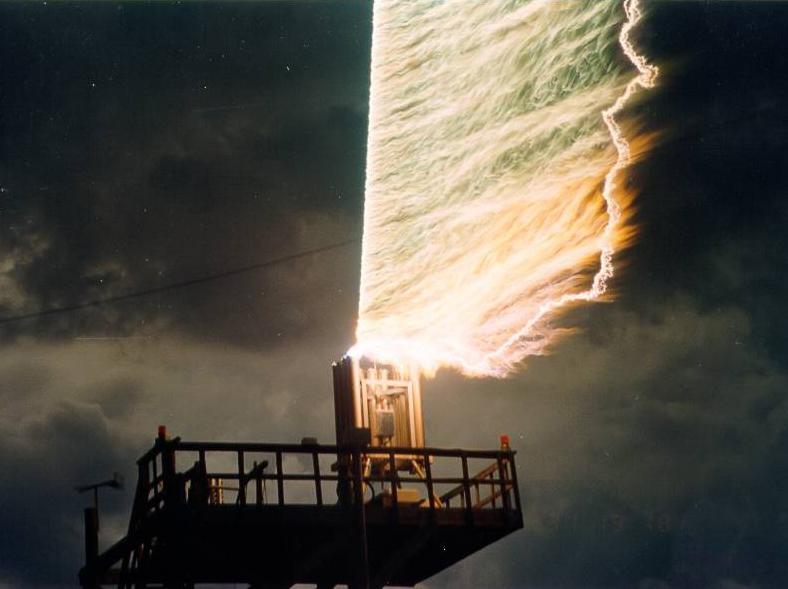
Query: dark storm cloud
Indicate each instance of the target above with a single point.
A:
(713, 193)
(646, 452)
(151, 144)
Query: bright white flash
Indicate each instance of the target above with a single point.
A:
(492, 200)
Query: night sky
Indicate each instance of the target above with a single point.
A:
(143, 144)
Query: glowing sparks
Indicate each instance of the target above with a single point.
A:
(646, 78)
(487, 168)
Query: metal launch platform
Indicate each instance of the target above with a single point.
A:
(363, 513)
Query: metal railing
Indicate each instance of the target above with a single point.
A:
(238, 473)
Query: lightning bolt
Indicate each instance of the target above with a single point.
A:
(486, 155)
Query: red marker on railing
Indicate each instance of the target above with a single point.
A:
(162, 432)
(505, 442)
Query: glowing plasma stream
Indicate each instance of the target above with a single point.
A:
(492, 198)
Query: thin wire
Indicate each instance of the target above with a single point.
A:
(178, 285)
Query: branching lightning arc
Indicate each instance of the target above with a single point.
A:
(492, 191)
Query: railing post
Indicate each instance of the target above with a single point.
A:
(168, 471)
(241, 479)
(466, 489)
(258, 485)
(430, 488)
(280, 482)
(154, 471)
(316, 471)
(142, 496)
(514, 483)
(503, 471)
(394, 489)
(502, 477)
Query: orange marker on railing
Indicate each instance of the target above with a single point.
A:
(505, 443)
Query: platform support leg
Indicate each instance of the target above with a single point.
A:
(91, 547)
(361, 576)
